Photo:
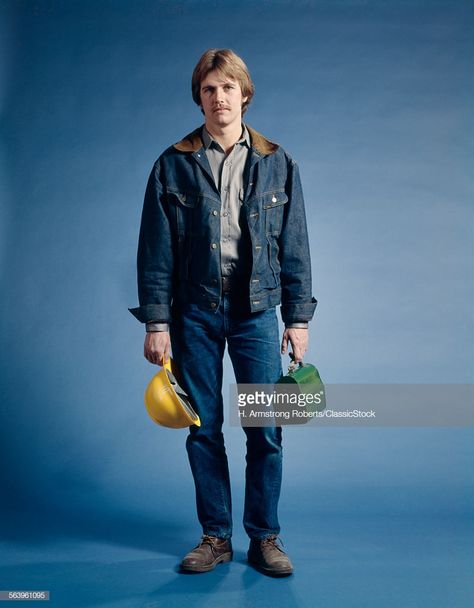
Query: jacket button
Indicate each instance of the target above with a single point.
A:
(214, 212)
(274, 199)
(214, 245)
(213, 304)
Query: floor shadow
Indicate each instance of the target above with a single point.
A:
(120, 527)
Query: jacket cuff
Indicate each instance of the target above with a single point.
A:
(159, 313)
(295, 313)
(157, 327)
(297, 325)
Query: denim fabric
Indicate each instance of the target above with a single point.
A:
(179, 247)
(198, 343)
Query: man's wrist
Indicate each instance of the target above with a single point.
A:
(155, 326)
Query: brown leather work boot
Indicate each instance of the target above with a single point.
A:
(210, 552)
(268, 557)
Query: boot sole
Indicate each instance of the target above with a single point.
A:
(269, 571)
(222, 559)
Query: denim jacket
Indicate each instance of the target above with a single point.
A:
(178, 250)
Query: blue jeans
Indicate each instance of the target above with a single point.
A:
(198, 343)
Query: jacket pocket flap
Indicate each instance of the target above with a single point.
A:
(274, 199)
(182, 198)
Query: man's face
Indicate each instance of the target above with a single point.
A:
(221, 100)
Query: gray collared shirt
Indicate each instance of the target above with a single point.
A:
(228, 173)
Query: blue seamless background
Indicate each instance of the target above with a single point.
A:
(372, 99)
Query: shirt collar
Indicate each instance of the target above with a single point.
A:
(208, 140)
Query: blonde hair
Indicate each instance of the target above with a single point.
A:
(229, 65)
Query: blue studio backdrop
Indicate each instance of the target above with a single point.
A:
(374, 101)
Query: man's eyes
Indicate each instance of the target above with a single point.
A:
(226, 87)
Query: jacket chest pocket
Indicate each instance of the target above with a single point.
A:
(273, 206)
(183, 207)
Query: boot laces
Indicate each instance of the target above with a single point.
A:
(206, 539)
(272, 541)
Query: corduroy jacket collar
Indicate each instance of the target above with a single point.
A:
(193, 142)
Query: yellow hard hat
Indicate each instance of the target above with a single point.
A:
(166, 402)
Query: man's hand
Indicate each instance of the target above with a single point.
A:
(157, 347)
(298, 338)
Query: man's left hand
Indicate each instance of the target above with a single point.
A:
(298, 338)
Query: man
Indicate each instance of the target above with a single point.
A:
(223, 241)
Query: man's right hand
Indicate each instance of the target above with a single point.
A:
(157, 347)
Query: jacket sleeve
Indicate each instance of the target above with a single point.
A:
(155, 258)
(297, 303)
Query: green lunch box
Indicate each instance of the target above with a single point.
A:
(307, 377)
